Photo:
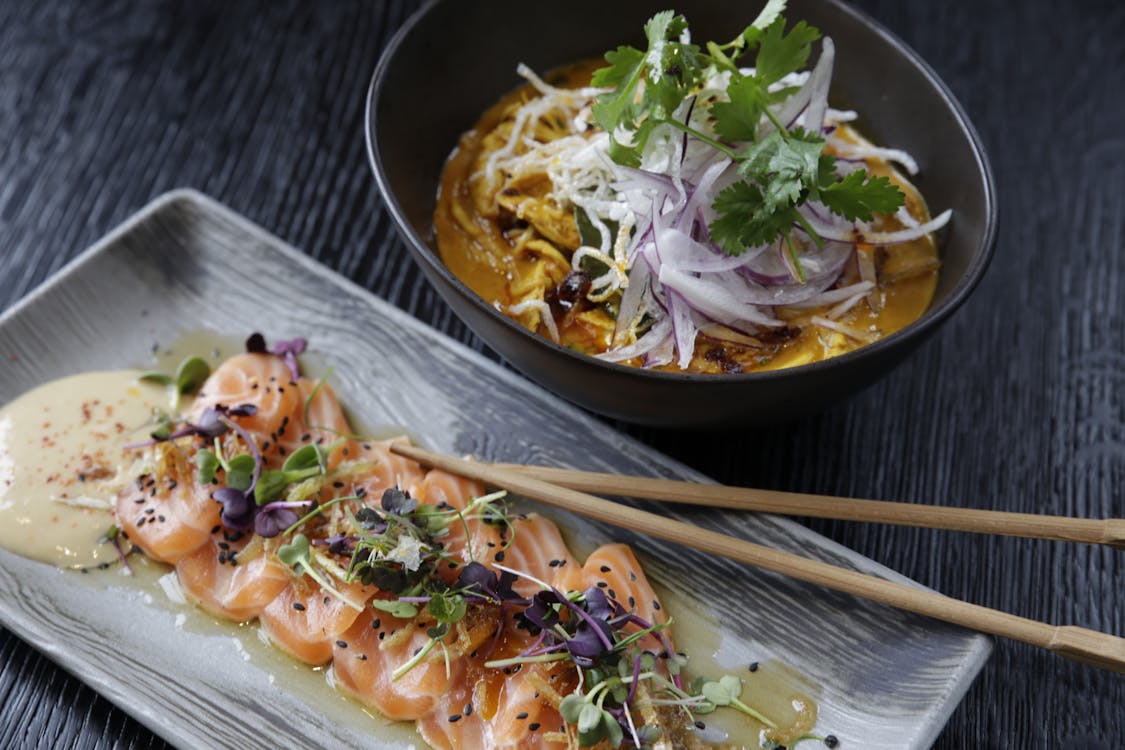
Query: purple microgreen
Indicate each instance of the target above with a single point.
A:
(287, 350)
(369, 519)
(543, 611)
(238, 510)
(398, 502)
(339, 544)
(274, 519)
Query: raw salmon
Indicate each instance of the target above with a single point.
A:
(166, 513)
(260, 380)
(456, 700)
(232, 577)
(305, 622)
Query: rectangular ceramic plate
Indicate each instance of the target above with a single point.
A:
(882, 679)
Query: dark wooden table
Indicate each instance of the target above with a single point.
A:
(1017, 404)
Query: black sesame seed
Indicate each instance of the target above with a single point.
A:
(454, 718)
(831, 741)
(361, 657)
(376, 623)
(382, 635)
(602, 584)
(215, 529)
(298, 606)
(656, 605)
(499, 556)
(632, 602)
(754, 666)
(150, 511)
(521, 715)
(342, 644)
(468, 709)
(700, 725)
(606, 568)
(533, 726)
(161, 518)
(139, 500)
(632, 576)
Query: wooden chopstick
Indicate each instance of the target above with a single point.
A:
(1109, 531)
(1081, 644)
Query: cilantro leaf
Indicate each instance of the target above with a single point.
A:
(744, 220)
(738, 119)
(622, 75)
(780, 54)
(670, 69)
(861, 196)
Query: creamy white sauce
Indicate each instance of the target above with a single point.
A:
(60, 463)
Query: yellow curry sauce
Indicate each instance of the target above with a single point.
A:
(508, 240)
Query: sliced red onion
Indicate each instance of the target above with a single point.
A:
(717, 301)
(833, 296)
(683, 327)
(682, 253)
(852, 233)
(701, 194)
(811, 99)
(632, 298)
(650, 340)
(719, 332)
(818, 84)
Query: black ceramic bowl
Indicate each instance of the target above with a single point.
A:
(455, 58)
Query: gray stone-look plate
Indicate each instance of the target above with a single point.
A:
(882, 679)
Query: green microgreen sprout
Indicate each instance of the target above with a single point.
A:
(298, 555)
(189, 376)
(308, 461)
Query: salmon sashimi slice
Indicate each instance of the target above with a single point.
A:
(455, 722)
(538, 550)
(485, 541)
(235, 582)
(305, 622)
(378, 643)
(260, 380)
(167, 514)
(388, 469)
(318, 418)
(614, 569)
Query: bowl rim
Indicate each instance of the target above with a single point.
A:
(918, 329)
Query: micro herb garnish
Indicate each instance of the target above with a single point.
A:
(113, 536)
(781, 167)
(309, 461)
(298, 555)
(287, 350)
(189, 376)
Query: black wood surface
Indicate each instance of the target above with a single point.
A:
(1017, 404)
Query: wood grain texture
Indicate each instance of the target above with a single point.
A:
(1018, 401)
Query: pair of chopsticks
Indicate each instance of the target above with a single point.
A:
(560, 488)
